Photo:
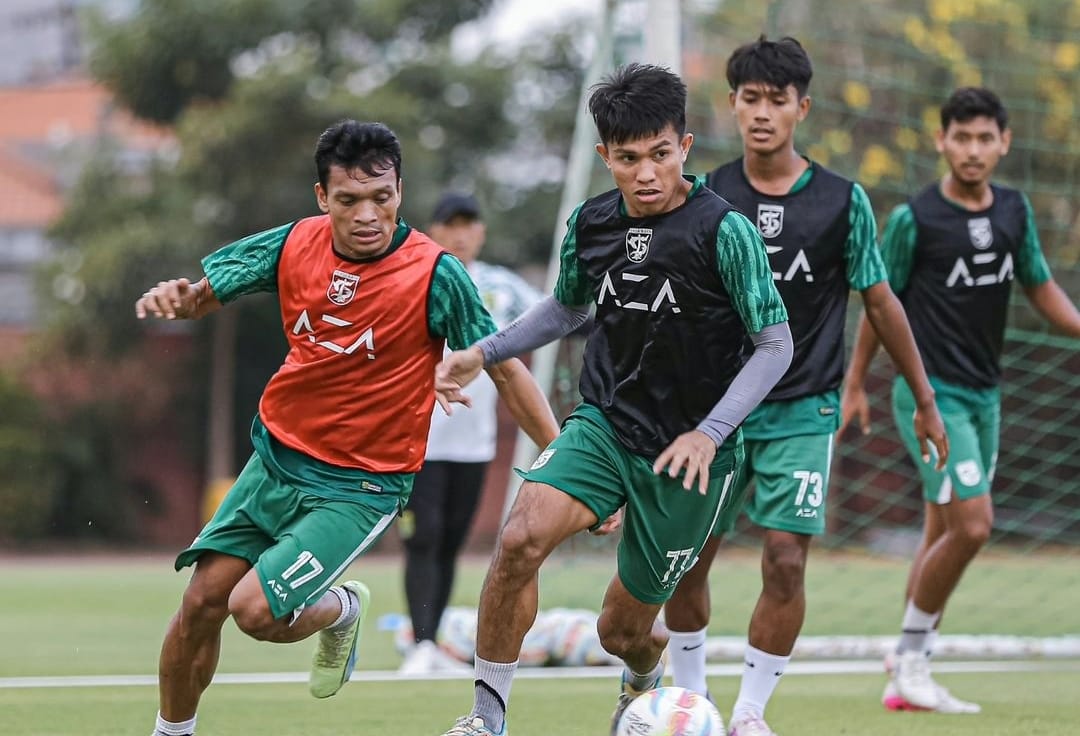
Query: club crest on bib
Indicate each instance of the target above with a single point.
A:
(770, 219)
(637, 243)
(342, 288)
(982, 235)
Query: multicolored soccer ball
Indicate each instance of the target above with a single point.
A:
(670, 711)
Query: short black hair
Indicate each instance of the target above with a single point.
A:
(636, 101)
(371, 147)
(775, 63)
(968, 103)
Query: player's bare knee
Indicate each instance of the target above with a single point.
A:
(253, 617)
(622, 636)
(520, 552)
(615, 641)
(974, 533)
(204, 605)
(784, 570)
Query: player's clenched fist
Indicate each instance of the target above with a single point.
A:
(176, 299)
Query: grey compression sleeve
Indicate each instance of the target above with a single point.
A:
(768, 364)
(545, 321)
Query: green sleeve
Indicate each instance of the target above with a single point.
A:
(1031, 266)
(573, 288)
(246, 266)
(747, 276)
(898, 246)
(455, 310)
(864, 265)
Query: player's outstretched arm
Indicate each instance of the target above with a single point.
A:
(546, 321)
(177, 299)
(886, 315)
(1051, 301)
(526, 400)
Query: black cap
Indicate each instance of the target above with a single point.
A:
(455, 204)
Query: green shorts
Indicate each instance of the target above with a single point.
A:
(973, 430)
(298, 543)
(664, 525)
(790, 476)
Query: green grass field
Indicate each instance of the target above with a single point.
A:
(64, 617)
(804, 706)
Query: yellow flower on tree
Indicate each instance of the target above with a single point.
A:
(856, 95)
(1067, 56)
(907, 139)
(877, 164)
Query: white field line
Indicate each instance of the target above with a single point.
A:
(834, 667)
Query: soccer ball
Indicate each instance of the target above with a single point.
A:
(670, 711)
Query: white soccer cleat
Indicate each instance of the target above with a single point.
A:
(913, 681)
(420, 660)
(950, 704)
(947, 702)
(749, 725)
(427, 658)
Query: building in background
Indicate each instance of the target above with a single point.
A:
(43, 39)
(47, 131)
(51, 116)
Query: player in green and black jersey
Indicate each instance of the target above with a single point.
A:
(819, 230)
(953, 251)
(679, 281)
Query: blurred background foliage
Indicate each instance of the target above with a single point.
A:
(881, 72)
(245, 86)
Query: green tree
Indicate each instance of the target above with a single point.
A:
(246, 85)
(882, 73)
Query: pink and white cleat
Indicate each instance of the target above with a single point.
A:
(943, 701)
(749, 725)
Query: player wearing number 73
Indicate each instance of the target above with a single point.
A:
(819, 230)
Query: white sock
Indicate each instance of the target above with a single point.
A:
(492, 691)
(168, 728)
(761, 674)
(915, 629)
(686, 654)
(641, 680)
(931, 641)
(350, 607)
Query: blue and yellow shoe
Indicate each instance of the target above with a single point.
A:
(628, 694)
(335, 655)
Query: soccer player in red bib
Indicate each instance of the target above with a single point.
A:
(367, 305)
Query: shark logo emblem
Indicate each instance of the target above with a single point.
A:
(770, 219)
(637, 243)
(342, 288)
(982, 235)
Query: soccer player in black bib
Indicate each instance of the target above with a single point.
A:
(819, 231)
(679, 280)
(953, 251)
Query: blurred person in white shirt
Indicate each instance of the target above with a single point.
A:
(461, 445)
